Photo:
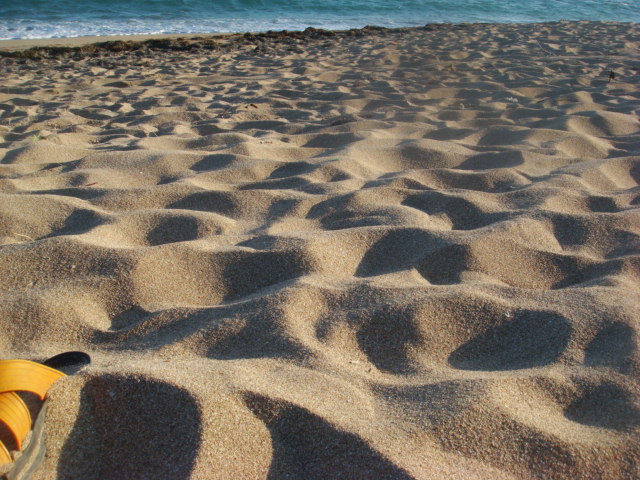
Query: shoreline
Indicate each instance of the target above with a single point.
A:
(174, 42)
(11, 45)
(53, 47)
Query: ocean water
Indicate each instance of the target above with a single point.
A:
(72, 18)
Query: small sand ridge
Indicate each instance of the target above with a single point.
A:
(389, 254)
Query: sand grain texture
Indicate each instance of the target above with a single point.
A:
(408, 254)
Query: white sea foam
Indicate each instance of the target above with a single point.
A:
(66, 29)
(69, 18)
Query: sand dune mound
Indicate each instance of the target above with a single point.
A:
(403, 254)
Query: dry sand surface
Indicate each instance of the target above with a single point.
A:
(408, 254)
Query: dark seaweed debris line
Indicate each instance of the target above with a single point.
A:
(201, 43)
(183, 44)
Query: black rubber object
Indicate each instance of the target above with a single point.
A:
(68, 362)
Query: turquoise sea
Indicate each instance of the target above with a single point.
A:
(72, 18)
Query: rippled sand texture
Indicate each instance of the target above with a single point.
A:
(407, 254)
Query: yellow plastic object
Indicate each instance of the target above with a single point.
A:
(5, 456)
(15, 414)
(26, 376)
(23, 375)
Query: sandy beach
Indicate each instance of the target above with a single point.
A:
(370, 254)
